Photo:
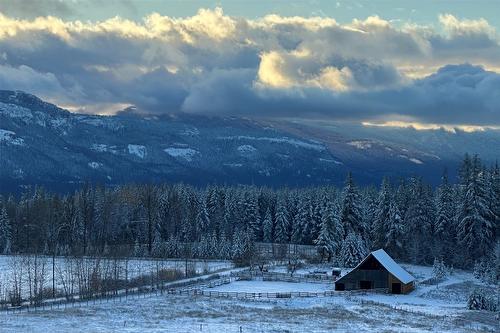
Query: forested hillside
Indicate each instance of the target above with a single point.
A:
(411, 220)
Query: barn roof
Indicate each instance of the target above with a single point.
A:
(389, 264)
(392, 267)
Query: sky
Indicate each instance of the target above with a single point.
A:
(427, 63)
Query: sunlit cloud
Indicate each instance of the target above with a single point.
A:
(429, 126)
(365, 70)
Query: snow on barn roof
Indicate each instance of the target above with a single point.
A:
(389, 264)
(392, 267)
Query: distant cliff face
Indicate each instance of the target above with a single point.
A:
(43, 144)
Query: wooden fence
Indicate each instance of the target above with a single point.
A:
(115, 295)
(238, 294)
(284, 277)
(277, 250)
(192, 287)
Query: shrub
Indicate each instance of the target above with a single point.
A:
(480, 299)
(165, 275)
(48, 293)
(439, 269)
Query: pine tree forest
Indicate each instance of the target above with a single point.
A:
(458, 221)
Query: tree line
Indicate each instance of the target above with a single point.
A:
(414, 222)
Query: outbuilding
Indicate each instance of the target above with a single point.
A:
(377, 271)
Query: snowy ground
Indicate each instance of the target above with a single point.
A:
(446, 298)
(272, 287)
(203, 314)
(133, 267)
(438, 308)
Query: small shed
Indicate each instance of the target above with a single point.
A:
(377, 271)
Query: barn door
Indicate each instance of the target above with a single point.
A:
(396, 288)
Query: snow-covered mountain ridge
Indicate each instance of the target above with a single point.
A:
(43, 144)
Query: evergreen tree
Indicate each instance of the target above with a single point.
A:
(495, 199)
(158, 249)
(395, 231)
(331, 232)
(5, 232)
(350, 215)
(418, 223)
(164, 212)
(202, 219)
(281, 231)
(296, 231)
(316, 215)
(213, 245)
(251, 218)
(304, 221)
(229, 215)
(380, 231)
(369, 209)
(444, 224)
(353, 250)
(238, 249)
(439, 269)
(225, 247)
(203, 247)
(268, 227)
(172, 247)
(475, 228)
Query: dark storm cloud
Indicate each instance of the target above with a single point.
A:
(459, 94)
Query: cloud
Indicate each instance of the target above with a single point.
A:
(456, 27)
(26, 78)
(366, 70)
(305, 69)
(456, 94)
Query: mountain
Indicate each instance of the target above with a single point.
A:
(41, 143)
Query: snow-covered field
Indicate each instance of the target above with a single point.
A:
(130, 269)
(202, 314)
(437, 308)
(272, 287)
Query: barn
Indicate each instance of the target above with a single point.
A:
(377, 271)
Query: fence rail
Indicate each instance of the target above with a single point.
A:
(285, 277)
(156, 288)
(278, 250)
(238, 294)
(191, 287)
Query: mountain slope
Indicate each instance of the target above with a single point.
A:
(43, 144)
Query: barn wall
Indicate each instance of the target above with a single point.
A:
(379, 278)
(405, 288)
(392, 279)
(371, 270)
